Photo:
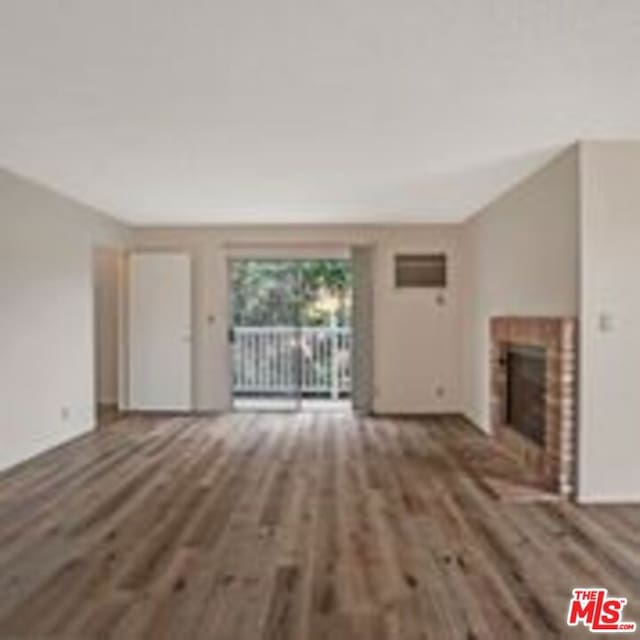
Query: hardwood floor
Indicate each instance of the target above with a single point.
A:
(304, 527)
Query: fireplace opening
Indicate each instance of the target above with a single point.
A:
(533, 395)
(525, 406)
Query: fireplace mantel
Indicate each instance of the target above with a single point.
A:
(552, 462)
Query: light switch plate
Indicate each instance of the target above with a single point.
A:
(605, 322)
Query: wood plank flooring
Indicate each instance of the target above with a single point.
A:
(307, 527)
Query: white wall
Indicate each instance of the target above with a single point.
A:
(417, 347)
(46, 316)
(609, 444)
(521, 258)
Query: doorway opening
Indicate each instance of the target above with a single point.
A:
(106, 308)
(291, 334)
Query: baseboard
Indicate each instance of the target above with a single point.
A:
(431, 415)
(193, 413)
(613, 499)
(16, 467)
(472, 423)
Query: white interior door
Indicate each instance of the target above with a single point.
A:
(160, 332)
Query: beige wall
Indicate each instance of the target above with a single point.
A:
(609, 445)
(417, 347)
(521, 258)
(46, 323)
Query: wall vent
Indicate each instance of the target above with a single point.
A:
(421, 271)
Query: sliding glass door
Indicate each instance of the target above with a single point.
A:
(291, 333)
(265, 296)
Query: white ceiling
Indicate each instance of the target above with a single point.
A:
(197, 111)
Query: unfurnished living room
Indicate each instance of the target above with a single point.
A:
(319, 320)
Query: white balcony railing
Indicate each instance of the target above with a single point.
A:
(313, 361)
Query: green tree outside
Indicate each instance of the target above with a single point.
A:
(290, 292)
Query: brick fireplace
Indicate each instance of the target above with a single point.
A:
(533, 395)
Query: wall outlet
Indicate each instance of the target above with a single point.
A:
(65, 413)
(440, 392)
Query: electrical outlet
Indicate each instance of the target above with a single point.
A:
(65, 413)
(440, 392)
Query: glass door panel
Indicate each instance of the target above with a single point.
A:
(265, 335)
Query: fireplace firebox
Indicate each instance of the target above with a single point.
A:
(525, 409)
(533, 395)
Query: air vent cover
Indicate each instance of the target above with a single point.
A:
(421, 271)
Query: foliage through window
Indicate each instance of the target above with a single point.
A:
(290, 292)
